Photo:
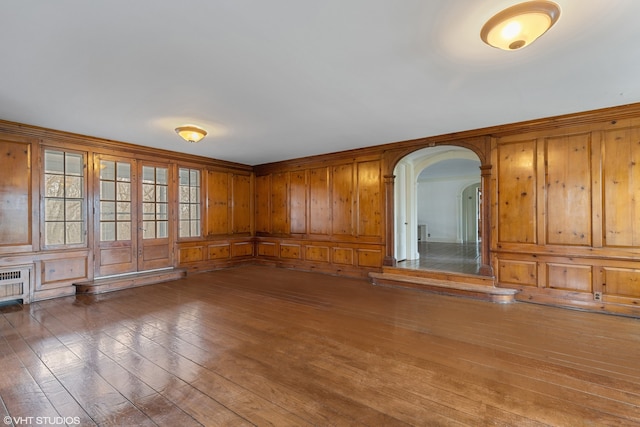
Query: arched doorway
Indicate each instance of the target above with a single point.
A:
(437, 210)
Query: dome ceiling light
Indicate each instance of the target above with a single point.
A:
(191, 133)
(520, 25)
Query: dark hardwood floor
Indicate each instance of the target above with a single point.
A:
(263, 346)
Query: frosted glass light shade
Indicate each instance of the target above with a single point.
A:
(191, 133)
(520, 25)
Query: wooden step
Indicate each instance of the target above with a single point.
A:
(446, 287)
(116, 283)
(442, 275)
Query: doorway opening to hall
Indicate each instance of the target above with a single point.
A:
(438, 210)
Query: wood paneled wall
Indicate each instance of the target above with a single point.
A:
(567, 203)
(30, 271)
(326, 215)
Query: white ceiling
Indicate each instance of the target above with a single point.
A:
(281, 79)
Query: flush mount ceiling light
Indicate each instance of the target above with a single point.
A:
(519, 25)
(191, 133)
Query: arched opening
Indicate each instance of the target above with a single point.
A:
(437, 210)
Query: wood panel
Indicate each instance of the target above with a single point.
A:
(517, 272)
(622, 281)
(191, 254)
(621, 182)
(570, 277)
(517, 192)
(568, 192)
(241, 249)
(290, 251)
(263, 205)
(218, 203)
(298, 203)
(219, 251)
(319, 203)
(267, 249)
(241, 203)
(369, 258)
(369, 199)
(342, 256)
(280, 203)
(342, 208)
(116, 256)
(63, 270)
(317, 253)
(15, 193)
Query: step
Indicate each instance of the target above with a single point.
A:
(442, 275)
(446, 287)
(126, 281)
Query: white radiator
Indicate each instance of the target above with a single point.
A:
(14, 283)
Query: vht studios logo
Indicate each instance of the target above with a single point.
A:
(38, 421)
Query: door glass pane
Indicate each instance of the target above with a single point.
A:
(163, 229)
(115, 200)
(73, 210)
(73, 164)
(107, 231)
(54, 210)
(54, 233)
(155, 207)
(75, 233)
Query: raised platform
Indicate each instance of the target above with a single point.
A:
(116, 283)
(457, 284)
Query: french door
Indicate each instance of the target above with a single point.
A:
(132, 216)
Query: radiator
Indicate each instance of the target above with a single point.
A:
(14, 283)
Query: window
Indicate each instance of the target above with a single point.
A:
(64, 213)
(189, 203)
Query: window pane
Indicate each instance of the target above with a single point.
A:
(123, 211)
(73, 164)
(184, 211)
(148, 193)
(73, 210)
(184, 194)
(107, 170)
(107, 211)
(124, 231)
(148, 230)
(161, 176)
(195, 178)
(195, 212)
(107, 190)
(195, 228)
(124, 191)
(73, 187)
(162, 210)
(124, 172)
(54, 209)
(183, 176)
(195, 195)
(54, 233)
(148, 174)
(184, 228)
(107, 231)
(163, 229)
(54, 186)
(54, 162)
(75, 233)
(148, 211)
(162, 194)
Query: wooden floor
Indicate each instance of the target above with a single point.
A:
(263, 346)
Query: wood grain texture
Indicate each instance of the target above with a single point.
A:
(263, 346)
